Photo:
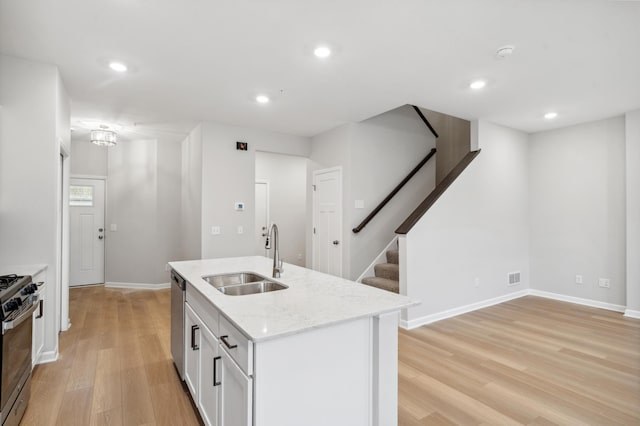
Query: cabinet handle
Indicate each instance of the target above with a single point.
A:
(193, 337)
(41, 311)
(226, 343)
(215, 380)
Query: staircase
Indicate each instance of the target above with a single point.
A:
(387, 274)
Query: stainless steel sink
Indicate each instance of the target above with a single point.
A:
(243, 283)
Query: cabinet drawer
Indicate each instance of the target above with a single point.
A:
(237, 345)
(205, 310)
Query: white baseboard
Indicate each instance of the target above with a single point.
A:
(631, 313)
(47, 357)
(138, 286)
(577, 300)
(428, 319)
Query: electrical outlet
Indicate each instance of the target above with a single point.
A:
(604, 282)
(578, 279)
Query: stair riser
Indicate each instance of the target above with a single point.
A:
(392, 256)
(388, 271)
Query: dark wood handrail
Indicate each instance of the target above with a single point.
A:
(394, 192)
(424, 119)
(436, 193)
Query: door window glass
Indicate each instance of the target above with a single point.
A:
(81, 195)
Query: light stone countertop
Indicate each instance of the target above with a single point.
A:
(22, 269)
(312, 300)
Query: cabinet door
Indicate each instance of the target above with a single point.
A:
(38, 331)
(236, 394)
(209, 377)
(192, 334)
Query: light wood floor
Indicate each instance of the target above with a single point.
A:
(115, 365)
(528, 361)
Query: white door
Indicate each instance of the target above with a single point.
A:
(192, 356)
(327, 221)
(262, 216)
(209, 380)
(86, 231)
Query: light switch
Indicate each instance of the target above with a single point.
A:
(113, 227)
(359, 204)
(215, 230)
(240, 230)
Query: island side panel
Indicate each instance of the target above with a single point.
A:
(316, 378)
(385, 369)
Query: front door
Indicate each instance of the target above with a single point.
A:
(86, 231)
(327, 221)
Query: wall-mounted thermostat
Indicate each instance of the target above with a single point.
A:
(239, 206)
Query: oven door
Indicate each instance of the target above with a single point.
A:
(16, 350)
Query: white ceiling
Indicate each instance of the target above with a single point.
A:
(195, 60)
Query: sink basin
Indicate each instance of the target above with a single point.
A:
(242, 283)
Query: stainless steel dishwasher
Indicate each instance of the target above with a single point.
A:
(178, 288)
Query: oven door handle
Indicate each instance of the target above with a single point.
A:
(8, 325)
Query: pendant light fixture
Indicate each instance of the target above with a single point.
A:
(103, 137)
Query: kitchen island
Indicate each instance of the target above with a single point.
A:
(322, 351)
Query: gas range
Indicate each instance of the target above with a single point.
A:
(14, 291)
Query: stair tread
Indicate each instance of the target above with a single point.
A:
(392, 256)
(382, 283)
(390, 271)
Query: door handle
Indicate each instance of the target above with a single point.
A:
(215, 375)
(193, 337)
(100, 229)
(336, 242)
(100, 237)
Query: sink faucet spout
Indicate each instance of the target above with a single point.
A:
(273, 238)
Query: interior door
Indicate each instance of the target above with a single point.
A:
(86, 231)
(327, 219)
(262, 216)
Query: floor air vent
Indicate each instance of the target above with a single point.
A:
(514, 278)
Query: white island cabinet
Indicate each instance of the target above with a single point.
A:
(321, 352)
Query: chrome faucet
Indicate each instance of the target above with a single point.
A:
(272, 234)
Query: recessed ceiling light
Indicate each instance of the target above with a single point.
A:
(118, 66)
(550, 115)
(262, 99)
(322, 52)
(478, 84)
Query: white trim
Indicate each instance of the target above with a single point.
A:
(138, 286)
(98, 177)
(577, 300)
(632, 313)
(428, 319)
(47, 357)
(381, 258)
(265, 182)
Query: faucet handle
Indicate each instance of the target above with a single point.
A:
(281, 265)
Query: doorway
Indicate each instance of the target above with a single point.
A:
(86, 231)
(281, 198)
(327, 221)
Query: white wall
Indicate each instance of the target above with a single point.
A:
(632, 159)
(477, 229)
(577, 200)
(34, 107)
(143, 200)
(228, 176)
(375, 154)
(287, 178)
(383, 150)
(191, 198)
(88, 158)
